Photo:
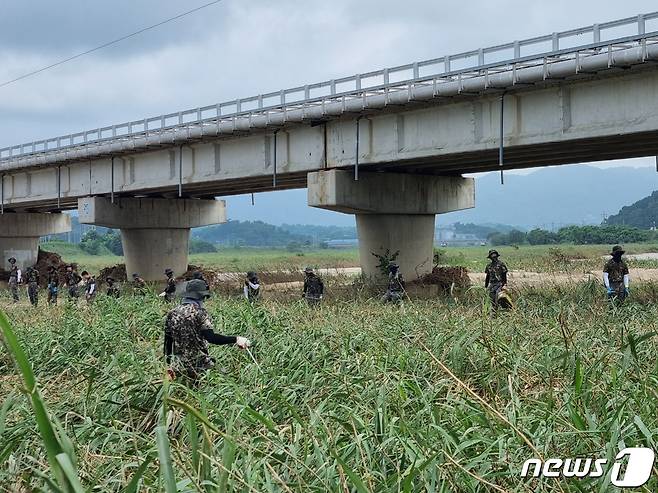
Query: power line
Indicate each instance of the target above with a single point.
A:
(109, 43)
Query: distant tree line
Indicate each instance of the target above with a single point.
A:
(109, 243)
(580, 235)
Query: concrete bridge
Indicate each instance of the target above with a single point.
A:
(389, 146)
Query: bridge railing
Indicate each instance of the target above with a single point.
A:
(544, 50)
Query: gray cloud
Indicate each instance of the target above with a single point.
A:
(235, 49)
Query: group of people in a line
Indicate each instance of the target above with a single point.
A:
(189, 330)
(616, 278)
(73, 282)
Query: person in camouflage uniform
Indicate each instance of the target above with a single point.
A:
(189, 330)
(112, 288)
(496, 278)
(197, 274)
(72, 280)
(615, 275)
(139, 285)
(313, 287)
(396, 286)
(90, 287)
(32, 278)
(53, 285)
(170, 288)
(252, 287)
(14, 279)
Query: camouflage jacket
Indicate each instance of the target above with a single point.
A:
(113, 290)
(53, 279)
(395, 283)
(616, 270)
(496, 273)
(313, 286)
(32, 275)
(170, 288)
(72, 279)
(188, 330)
(13, 272)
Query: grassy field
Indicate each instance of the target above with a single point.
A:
(356, 396)
(558, 258)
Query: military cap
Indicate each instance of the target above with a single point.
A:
(493, 252)
(168, 272)
(12, 260)
(617, 249)
(196, 289)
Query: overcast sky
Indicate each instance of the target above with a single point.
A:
(234, 49)
(240, 48)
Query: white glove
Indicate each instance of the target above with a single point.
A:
(242, 342)
(162, 295)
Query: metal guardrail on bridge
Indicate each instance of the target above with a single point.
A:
(538, 51)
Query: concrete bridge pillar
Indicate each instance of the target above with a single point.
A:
(20, 232)
(394, 212)
(155, 233)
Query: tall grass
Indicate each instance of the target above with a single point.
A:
(431, 396)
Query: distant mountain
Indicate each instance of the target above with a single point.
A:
(547, 198)
(642, 214)
(556, 196)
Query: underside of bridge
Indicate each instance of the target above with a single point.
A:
(20, 232)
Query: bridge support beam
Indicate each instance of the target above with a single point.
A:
(155, 233)
(394, 212)
(20, 233)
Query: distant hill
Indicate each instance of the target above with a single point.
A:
(557, 196)
(642, 214)
(547, 198)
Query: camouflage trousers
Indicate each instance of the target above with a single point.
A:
(33, 293)
(494, 289)
(73, 292)
(618, 291)
(13, 288)
(191, 371)
(313, 301)
(393, 296)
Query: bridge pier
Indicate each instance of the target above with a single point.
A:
(20, 232)
(155, 233)
(394, 212)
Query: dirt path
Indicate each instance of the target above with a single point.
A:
(525, 278)
(518, 278)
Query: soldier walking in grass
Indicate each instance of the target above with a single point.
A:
(169, 292)
(496, 278)
(53, 285)
(313, 287)
(189, 330)
(615, 275)
(396, 285)
(90, 287)
(32, 278)
(252, 287)
(112, 288)
(72, 280)
(14, 279)
(139, 285)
